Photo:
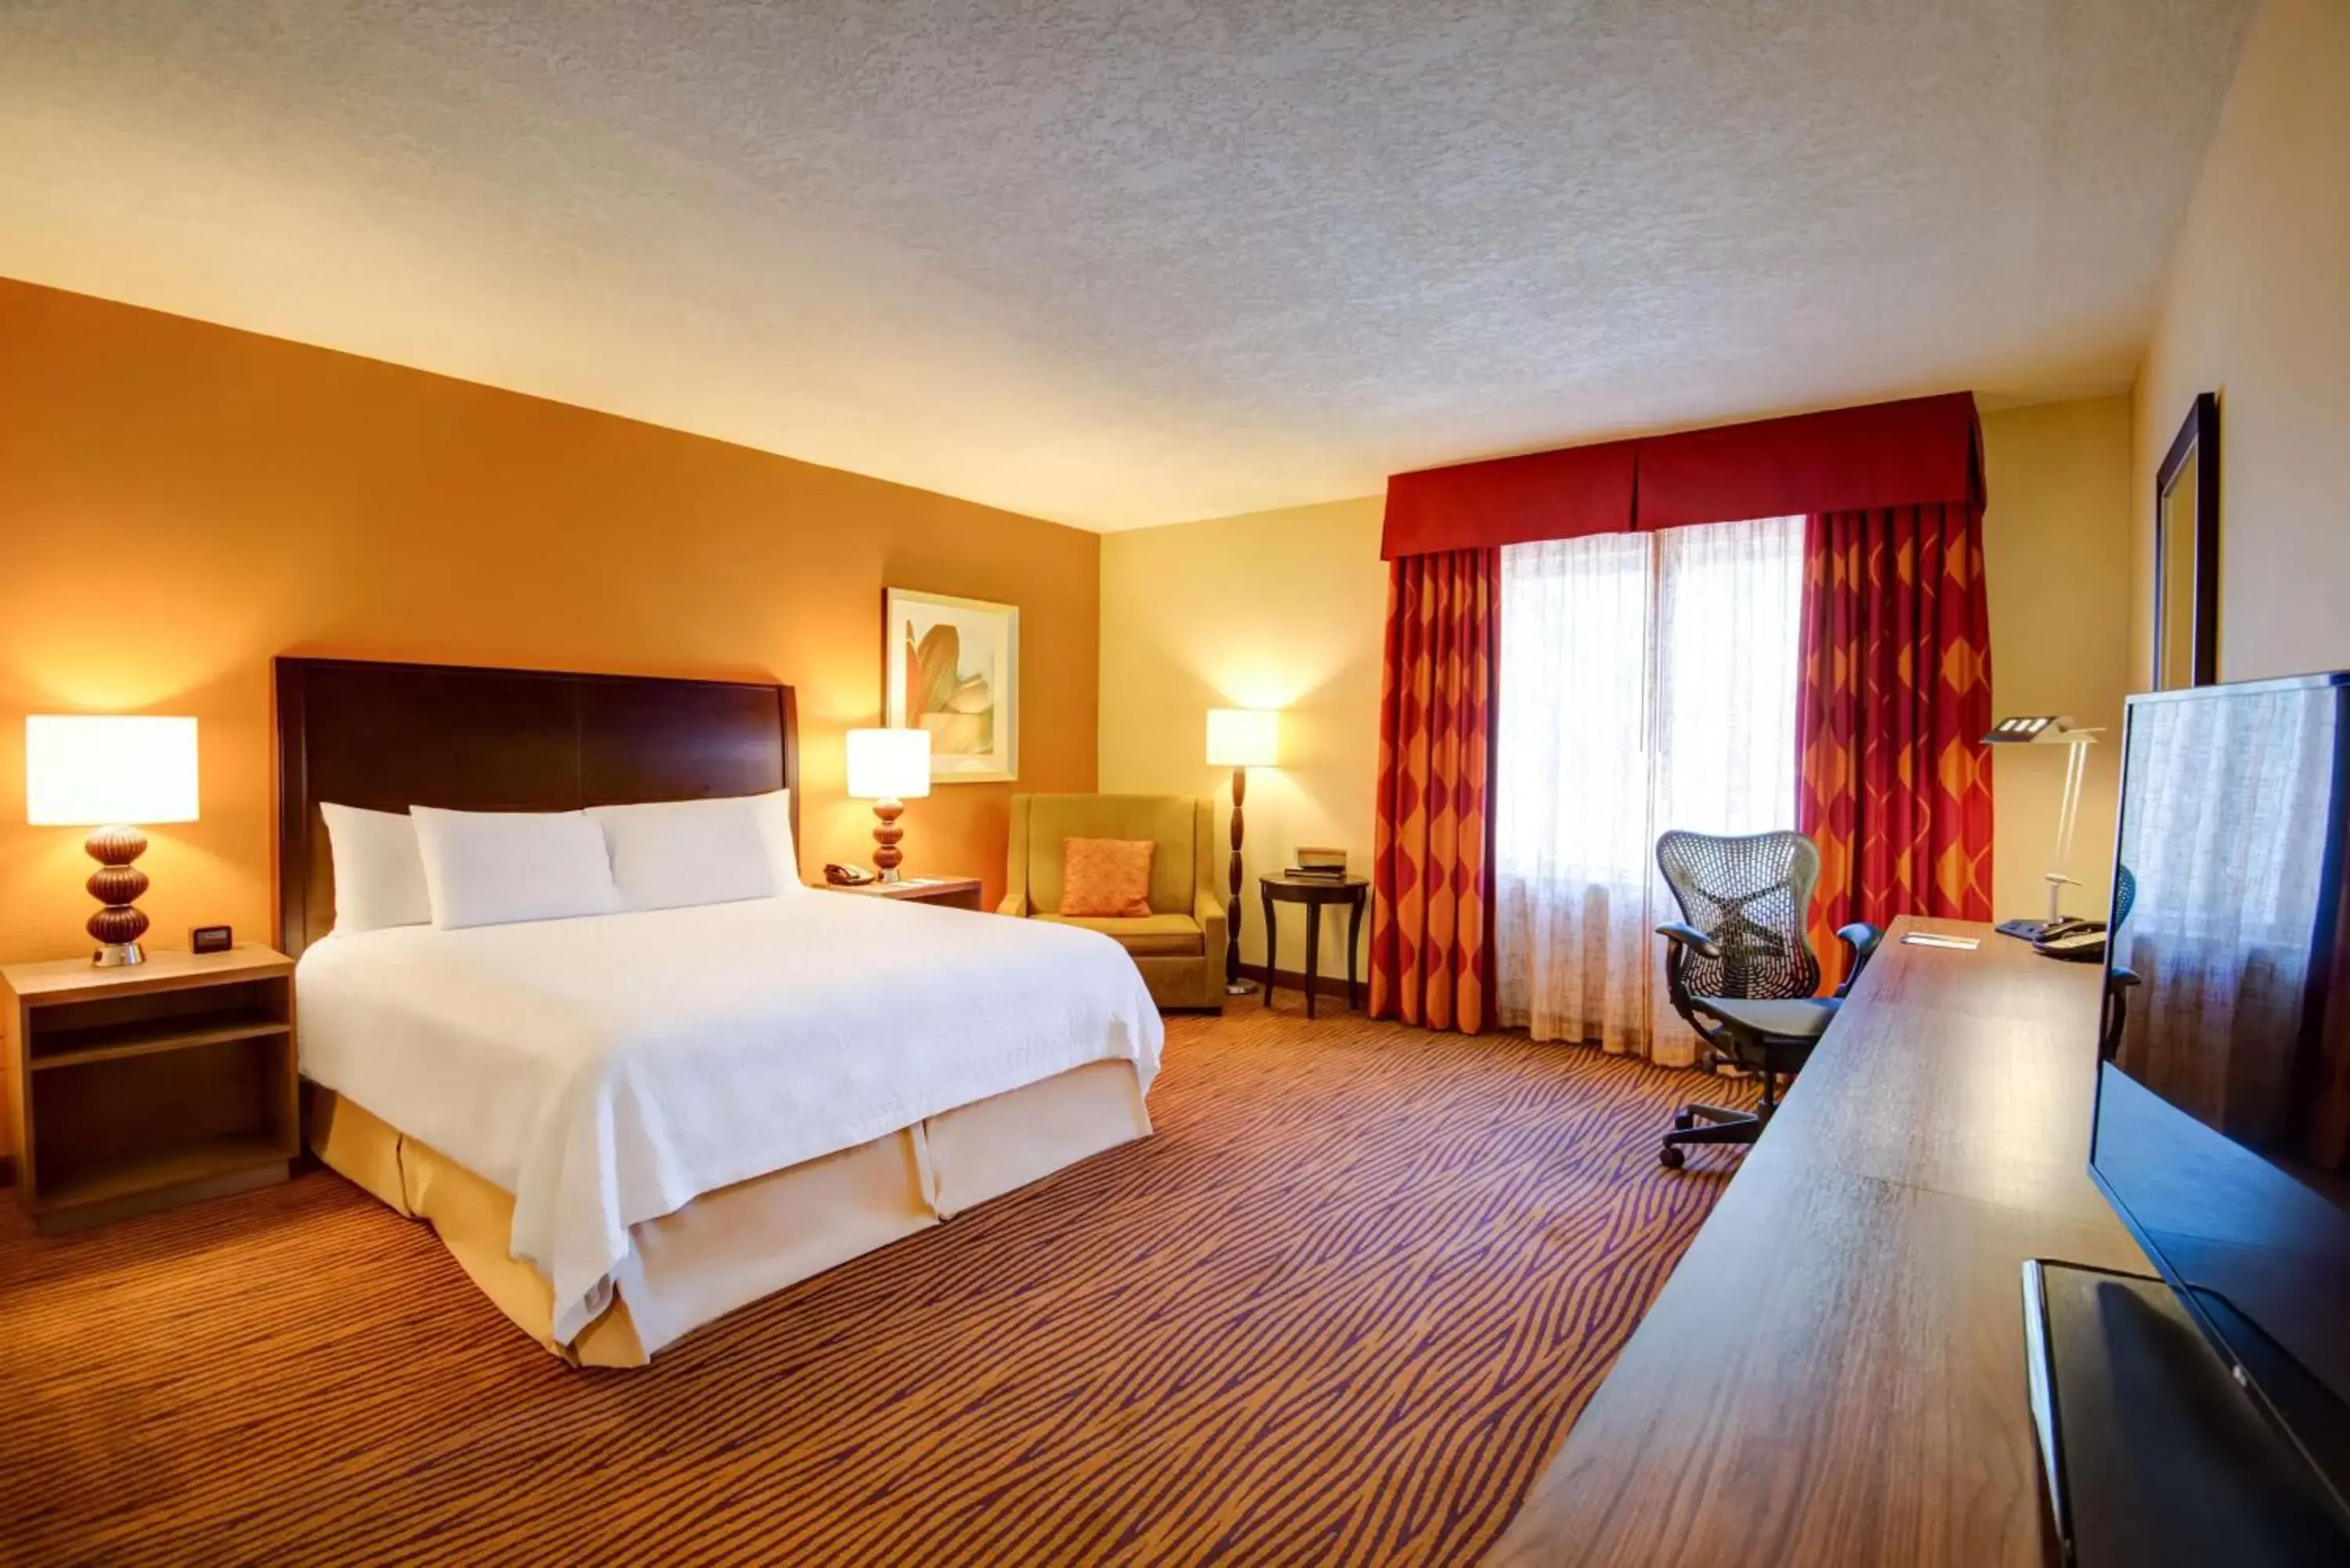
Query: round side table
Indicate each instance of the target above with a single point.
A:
(1316, 894)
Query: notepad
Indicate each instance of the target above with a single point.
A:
(1935, 939)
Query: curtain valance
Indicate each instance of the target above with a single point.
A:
(1918, 451)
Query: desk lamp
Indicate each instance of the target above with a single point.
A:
(2050, 730)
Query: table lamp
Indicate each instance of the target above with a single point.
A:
(2050, 730)
(107, 772)
(888, 767)
(1240, 739)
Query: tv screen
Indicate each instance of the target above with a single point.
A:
(2223, 1104)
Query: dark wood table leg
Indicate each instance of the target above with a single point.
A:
(1354, 942)
(1313, 953)
(1270, 964)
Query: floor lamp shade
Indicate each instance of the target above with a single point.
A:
(114, 775)
(1240, 739)
(1243, 737)
(888, 767)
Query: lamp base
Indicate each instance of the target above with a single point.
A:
(887, 835)
(117, 884)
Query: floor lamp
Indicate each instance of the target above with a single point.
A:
(2050, 730)
(1240, 739)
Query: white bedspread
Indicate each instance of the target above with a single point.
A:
(609, 1070)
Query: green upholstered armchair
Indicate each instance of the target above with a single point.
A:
(1180, 945)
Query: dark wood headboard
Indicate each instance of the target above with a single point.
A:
(389, 736)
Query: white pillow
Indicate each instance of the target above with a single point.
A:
(496, 867)
(774, 814)
(668, 855)
(378, 872)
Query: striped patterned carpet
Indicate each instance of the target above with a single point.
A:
(1340, 1311)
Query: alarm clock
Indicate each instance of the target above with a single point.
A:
(211, 940)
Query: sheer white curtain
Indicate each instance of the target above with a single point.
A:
(1648, 682)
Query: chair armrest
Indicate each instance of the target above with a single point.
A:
(1860, 940)
(2119, 982)
(1690, 937)
(1214, 924)
(1016, 858)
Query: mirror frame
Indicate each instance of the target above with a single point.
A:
(2199, 440)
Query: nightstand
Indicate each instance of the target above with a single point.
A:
(948, 892)
(137, 1088)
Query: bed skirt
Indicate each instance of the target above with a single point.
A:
(730, 1247)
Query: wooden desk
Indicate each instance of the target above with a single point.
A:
(1834, 1372)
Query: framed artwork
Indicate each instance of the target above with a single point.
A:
(952, 668)
(2187, 553)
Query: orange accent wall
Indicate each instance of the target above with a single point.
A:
(180, 502)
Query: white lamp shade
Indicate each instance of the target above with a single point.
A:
(1243, 737)
(889, 764)
(87, 770)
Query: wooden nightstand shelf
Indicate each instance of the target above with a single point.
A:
(950, 892)
(133, 1089)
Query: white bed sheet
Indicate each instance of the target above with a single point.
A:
(609, 1070)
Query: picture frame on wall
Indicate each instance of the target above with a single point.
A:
(2187, 553)
(951, 666)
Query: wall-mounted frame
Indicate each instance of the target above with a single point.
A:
(952, 667)
(2187, 553)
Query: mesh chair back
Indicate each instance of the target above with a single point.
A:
(2125, 895)
(1751, 896)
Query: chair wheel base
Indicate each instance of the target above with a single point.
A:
(1683, 1121)
(1671, 1157)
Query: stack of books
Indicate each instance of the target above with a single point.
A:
(1317, 865)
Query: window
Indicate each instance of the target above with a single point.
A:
(1648, 682)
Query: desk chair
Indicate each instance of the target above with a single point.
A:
(2120, 978)
(1741, 973)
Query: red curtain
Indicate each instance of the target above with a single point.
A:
(1562, 494)
(1908, 453)
(1894, 780)
(1433, 854)
(1880, 454)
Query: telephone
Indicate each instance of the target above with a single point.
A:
(847, 876)
(2076, 942)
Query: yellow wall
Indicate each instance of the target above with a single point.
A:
(1277, 609)
(2257, 308)
(2056, 542)
(180, 502)
(1286, 609)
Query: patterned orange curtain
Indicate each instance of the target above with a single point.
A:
(1432, 859)
(1894, 780)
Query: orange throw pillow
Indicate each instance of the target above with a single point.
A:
(1106, 876)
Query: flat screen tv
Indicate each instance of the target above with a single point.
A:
(2222, 1128)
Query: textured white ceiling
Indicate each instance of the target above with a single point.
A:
(1122, 264)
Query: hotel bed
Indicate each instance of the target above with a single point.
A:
(625, 1125)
